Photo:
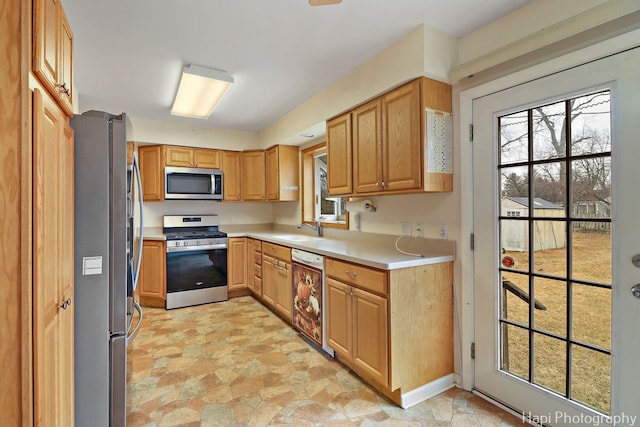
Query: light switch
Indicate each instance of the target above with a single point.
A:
(91, 265)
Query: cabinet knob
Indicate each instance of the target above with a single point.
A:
(62, 87)
(352, 274)
(65, 304)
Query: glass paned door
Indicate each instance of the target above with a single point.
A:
(555, 167)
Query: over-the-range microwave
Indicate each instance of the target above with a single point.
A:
(182, 183)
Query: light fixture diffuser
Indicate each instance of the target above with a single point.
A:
(199, 91)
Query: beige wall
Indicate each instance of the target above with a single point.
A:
(400, 62)
(143, 131)
(171, 133)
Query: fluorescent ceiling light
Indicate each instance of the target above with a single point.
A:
(199, 91)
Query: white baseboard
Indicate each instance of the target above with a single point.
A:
(426, 391)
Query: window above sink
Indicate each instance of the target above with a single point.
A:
(316, 202)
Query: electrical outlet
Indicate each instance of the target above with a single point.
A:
(419, 230)
(233, 220)
(443, 232)
(406, 228)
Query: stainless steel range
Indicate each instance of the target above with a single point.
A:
(196, 260)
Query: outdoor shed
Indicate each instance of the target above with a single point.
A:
(546, 234)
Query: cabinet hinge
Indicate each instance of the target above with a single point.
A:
(472, 241)
(471, 132)
(473, 350)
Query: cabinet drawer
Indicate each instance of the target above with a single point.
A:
(257, 286)
(276, 251)
(366, 278)
(257, 271)
(257, 258)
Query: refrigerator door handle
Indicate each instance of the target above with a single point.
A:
(136, 168)
(133, 334)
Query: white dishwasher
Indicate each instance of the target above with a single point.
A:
(308, 297)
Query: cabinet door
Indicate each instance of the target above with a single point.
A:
(152, 172)
(153, 284)
(284, 294)
(273, 179)
(179, 156)
(52, 263)
(339, 317)
(231, 175)
(367, 147)
(370, 347)
(52, 50)
(66, 63)
(339, 155)
(237, 267)
(269, 281)
(205, 158)
(248, 261)
(46, 41)
(253, 175)
(402, 147)
(66, 237)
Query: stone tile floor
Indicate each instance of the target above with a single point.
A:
(235, 363)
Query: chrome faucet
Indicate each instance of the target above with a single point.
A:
(317, 229)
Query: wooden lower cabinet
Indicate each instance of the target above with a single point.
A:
(237, 267)
(394, 328)
(254, 267)
(284, 285)
(277, 279)
(269, 280)
(357, 329)
(152, 286)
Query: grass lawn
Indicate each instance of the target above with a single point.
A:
(590, 322)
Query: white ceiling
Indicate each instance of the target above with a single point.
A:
(128, 54)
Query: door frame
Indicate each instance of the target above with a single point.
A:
(463, 95)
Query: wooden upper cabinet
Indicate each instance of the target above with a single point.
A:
(253, 175)
(232, 175)
(367, 147)
(402, 148)
(282, 163)
(152, 172)
(179, 156)
(66, 63)
(193, 157)
(339, 155)
(206, 158)
(389, 143)
(53, 51)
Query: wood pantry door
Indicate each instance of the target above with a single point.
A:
(555, 222)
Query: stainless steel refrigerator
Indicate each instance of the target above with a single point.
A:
(105, 270)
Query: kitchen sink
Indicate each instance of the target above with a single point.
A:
(296, 237)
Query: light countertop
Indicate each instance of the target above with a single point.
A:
(373, 250)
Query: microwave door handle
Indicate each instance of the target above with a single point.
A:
(136, 168)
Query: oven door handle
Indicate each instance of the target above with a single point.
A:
(195, 248)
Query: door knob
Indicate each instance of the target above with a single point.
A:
(635, 290)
